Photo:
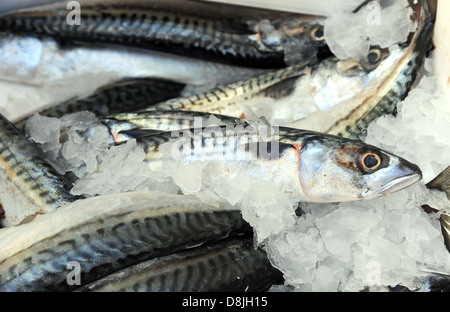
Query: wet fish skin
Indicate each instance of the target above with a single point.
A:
(442, 183)
(322, 83)
(119, 97)
(396, 87)
(29, 185)
(226, 265)
(107, 238)
(338, 96)
(227, 100)
(377, 91)
(267, 40)
(124, 126)
(310, 166)
(42, 62)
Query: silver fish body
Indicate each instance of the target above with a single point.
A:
(299, 95)
(333, 96)
(289, 94)
(351, 118)
(125, 126)
(105, 234)
(232, 99)
(29, 185)
(226, 265)
(119, 97)
(53, 73)
(308, 165)
(228, 34)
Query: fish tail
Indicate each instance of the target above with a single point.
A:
(442, 182)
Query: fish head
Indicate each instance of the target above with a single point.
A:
(303, 39)
(334, 169)
(363, 65)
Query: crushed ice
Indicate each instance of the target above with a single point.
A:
(351, 34)
(329, 247)
(75, 143)
(79, 143)
(385, 241)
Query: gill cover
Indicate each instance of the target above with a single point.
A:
(338, 169)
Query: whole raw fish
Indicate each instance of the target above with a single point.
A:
(233, 265)
(310, 166)
(104, 234)
(244, 36)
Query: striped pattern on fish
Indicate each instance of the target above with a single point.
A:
(108, 238)
(122, 96)
(226, 265)
(252, 40)
(310, 166)
(380, 99)
(29, 185)
(225, 99)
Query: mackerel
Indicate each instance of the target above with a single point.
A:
(238, 35)
(307, 165)
(333, 96)
(295, 93)
(124, 126)
(104, 234)
(119, 97)
(28, 184)
(42, 62)
(226, 265)
(350, 119)
(232, 99)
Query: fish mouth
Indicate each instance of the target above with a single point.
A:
(399, 184)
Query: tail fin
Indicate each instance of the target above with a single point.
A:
(442, 182)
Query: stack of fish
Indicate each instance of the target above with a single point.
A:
(151, 241)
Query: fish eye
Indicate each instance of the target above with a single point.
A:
(317, 34)
(374, 56)
(369, 162)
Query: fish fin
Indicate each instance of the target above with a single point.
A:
(445, 228)
(441, 182)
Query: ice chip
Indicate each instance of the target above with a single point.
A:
(122, 170)
(189, 177)
(44, 131)
(234, 189)
(351, 34)
(267, 210)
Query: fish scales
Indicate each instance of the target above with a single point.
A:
(124, 126)
(225, 98)
(346, 102)
(122, 96)
(105, 243)
(307, 165)
(227, 265)
(29, 184)
(218, 36)
(395, 87)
